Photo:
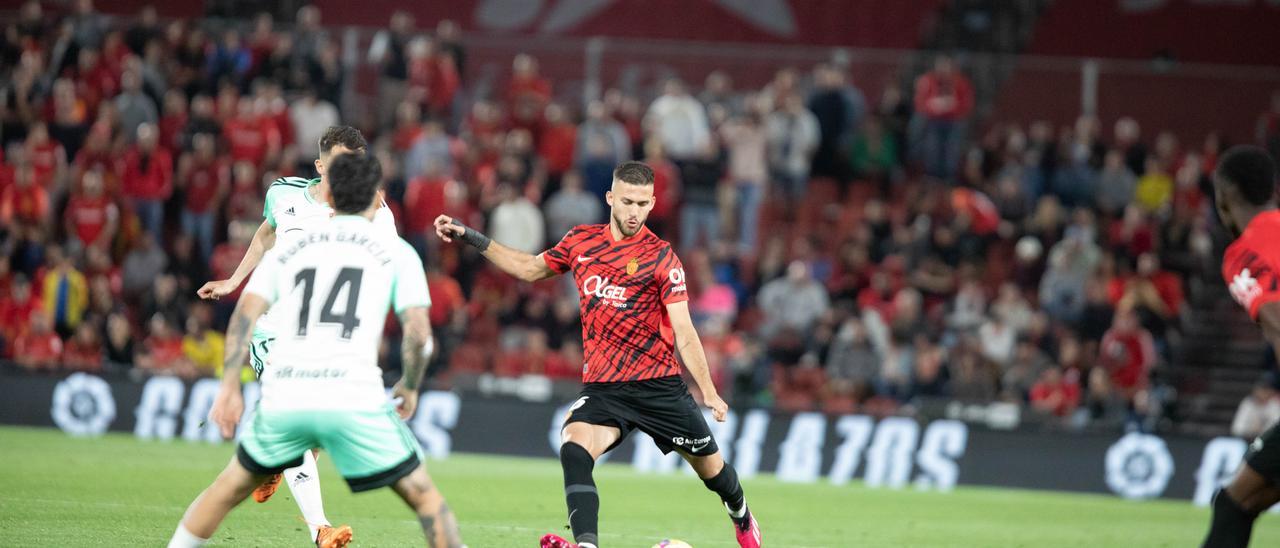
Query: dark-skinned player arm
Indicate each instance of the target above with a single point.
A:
(524, 266)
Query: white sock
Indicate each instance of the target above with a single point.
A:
(739, 513)
(304, 482)
(586, 545)
(182, 538)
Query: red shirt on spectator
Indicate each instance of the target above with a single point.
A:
(36, 351)
(89, 217)
(97, 84)
(423, 199)
(44, 160)
(251, 138)
(164, 353)
(984, 218)
(944, 97)
(666, 188)
(170, 128)
(1135, 239)
(205, 185)
(438, 77)
(1066, 392)
(446, 298)
(1128, 353)
(148, 177)
(555, 146)
(82, 357)
(26, 204)
(15, 314)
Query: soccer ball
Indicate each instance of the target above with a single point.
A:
(672, 543)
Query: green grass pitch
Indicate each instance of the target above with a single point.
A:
(118, 491)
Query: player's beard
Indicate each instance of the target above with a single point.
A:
(622, 226)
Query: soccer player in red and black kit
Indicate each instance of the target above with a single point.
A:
(635, 313)
(1245, 192)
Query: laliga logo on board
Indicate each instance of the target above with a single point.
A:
(600, 287)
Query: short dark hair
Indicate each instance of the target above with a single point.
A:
(634, 173)
(346, 136)
(1252, 170)
(353, 182)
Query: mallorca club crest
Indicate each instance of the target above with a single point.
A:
(633, 266)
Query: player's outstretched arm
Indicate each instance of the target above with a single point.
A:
(529, 268)
(695, 359)
(229, 404)
(416, 349)
(263, 240)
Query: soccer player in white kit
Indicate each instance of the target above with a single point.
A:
(294, 207)
(331, 289)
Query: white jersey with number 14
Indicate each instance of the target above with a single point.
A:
(329, 290)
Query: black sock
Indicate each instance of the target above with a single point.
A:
(726, 485)
(1231, 526)
(580, 493)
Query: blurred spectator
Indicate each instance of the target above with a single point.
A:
(83, 352)
(1024, 371)
(164, 300)
(851, 357)
(162, 350)
(601, 141)
(143, 30)
(433, 77)
(449, 36)
(556, 143)
(943, 100)
(1071, 263)
(133, 106)
(202, 120)
(141, 266)
(700, 209)
(1154, 190)
(717, 90)
(251, 138)
(229, 60)
(1128, 140)
(425, 196)
(1105, 406)
(146, 175)
(310, 117)
(17, 306)
(570, 207)
(38, 347)
(204, 180)
(517, 222)
(1257, 412)
(202, 346)
(793, 140)
(1116, 184)
(527, 92)
(998, 339)
(679, 121)
(23, 203)
(1056, 393)
(839, 109)
(65, 291)
(666, 189)
(309, 38)
(975, 379)
(389, 49)
(1128, 352)
(745, 141)
(119, 341)
(88, 27)
(874, 154)
(794, 302)
(47, 157)
(429, 149)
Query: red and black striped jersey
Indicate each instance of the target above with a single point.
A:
(1249, 264)
(624, 288)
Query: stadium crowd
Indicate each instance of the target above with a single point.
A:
(844, 254)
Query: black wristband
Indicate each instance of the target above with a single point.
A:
(473, 237)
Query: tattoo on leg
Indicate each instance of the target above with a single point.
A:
(429, 529)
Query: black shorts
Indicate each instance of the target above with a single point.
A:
(1264, 454)
(661, 408)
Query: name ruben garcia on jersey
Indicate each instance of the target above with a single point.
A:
(363, 240)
